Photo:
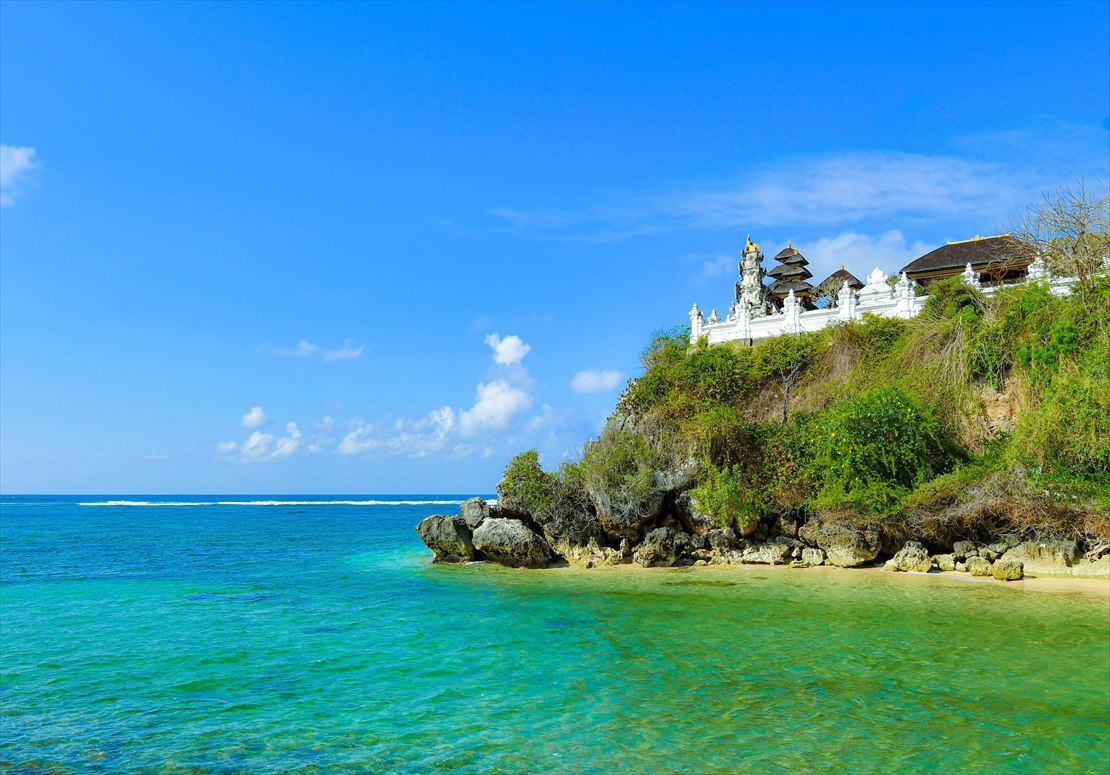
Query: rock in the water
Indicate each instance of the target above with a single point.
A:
(657, 548)
(1007, 570)
(945, 561)
(721, 539)
(510, 542)
(978, 566)
(845, 545)
(1045, 558)
(769, 553)
(912, 557)
(1092, 569)
(473, 511)
(448, 537)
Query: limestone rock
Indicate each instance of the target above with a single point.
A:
(510, 542)
(978, 566)
(964, 549)
(768, 553)
(912, 557)
(626, 517)
(696, 521)
(788, 526)
(1045, 558)
(448, 537)
(473, 512)
(721, 539)
(1097, 569)
(568, 521)
(657, 548)
(812, 557)
(1007, 570)
(676, 475)
(945, 561)
(845, 545)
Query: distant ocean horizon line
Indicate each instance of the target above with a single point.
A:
(151, 500)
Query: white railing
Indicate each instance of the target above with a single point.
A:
(878, 297)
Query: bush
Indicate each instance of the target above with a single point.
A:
(873, 449)
(524, 485)
(727, 495)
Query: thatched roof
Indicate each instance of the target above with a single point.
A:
(979, 252)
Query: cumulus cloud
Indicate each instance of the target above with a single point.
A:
(359, 439)
(255, 418)
(508, 351)
(596, 381)
(15, 165)
(497, 403)
(860, 253)
(261, 446)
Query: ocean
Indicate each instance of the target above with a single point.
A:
(305, 634)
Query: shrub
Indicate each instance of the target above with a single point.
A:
(524, 485)
(727, 495)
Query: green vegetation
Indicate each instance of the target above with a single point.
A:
(979, 408)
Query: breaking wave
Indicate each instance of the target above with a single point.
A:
(277, 503)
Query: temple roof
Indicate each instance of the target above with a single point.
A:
(844, 275)
(783, 287)
(978, 252)
(790, 255)
(785, 271)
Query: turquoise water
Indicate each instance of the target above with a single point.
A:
(318, 638)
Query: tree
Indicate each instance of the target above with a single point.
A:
(1070, 230)
(828, 290)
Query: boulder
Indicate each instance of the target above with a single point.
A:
(1007, 570)
(721, 539)
(812, 557)
(626, 516)
(945, 561)
(768, 553)
(696, 521)
(568, 521)
(787, 526)
(845, 545)
(676, 475)
(978, 566)
(473, 511)
(1092, 569)
(657, 548)
(510, 542)
(448, 537)
(1042, 558)
(961, 550)
(912, 557)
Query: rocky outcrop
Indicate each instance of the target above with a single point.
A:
(1007, 570)
(511, 542)
(945, 561)
(623, 517)
(776, 552)
(845, 545)
(912, 557)
(569, 522)
(448, 537)
(473, 512)
(1049, 558)
(812, 557)
(978, 566)
(658, 548)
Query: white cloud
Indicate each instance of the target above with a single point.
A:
(325, 424)
(497, 402)
(596, 381)
(257, 446)
(303, 349)
(347, 352)
(226, 447)
(288, 444)
(255, 418)
(509, 350)
(860, 253)
(15, 164)
(307, 349)
(359, 439)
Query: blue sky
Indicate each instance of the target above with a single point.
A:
(375, 248)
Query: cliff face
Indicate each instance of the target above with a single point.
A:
(980, 429)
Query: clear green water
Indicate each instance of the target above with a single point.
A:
(320, 639)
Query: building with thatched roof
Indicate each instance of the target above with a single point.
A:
(996, 260)
(790, 275)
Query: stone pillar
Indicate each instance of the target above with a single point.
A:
(713, 317)
(792, 311)
(971, 277)
(743, 320)
(846, 302)
(877, 289)
(696, 323)
(904, 293)
(1038, 270)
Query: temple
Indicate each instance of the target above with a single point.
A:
(789, 304)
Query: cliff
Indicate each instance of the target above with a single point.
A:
(975, 436)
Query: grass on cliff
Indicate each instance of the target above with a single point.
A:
(978, 409)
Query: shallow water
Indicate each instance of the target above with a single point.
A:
(318, 638)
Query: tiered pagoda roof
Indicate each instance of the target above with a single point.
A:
(790, 275)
